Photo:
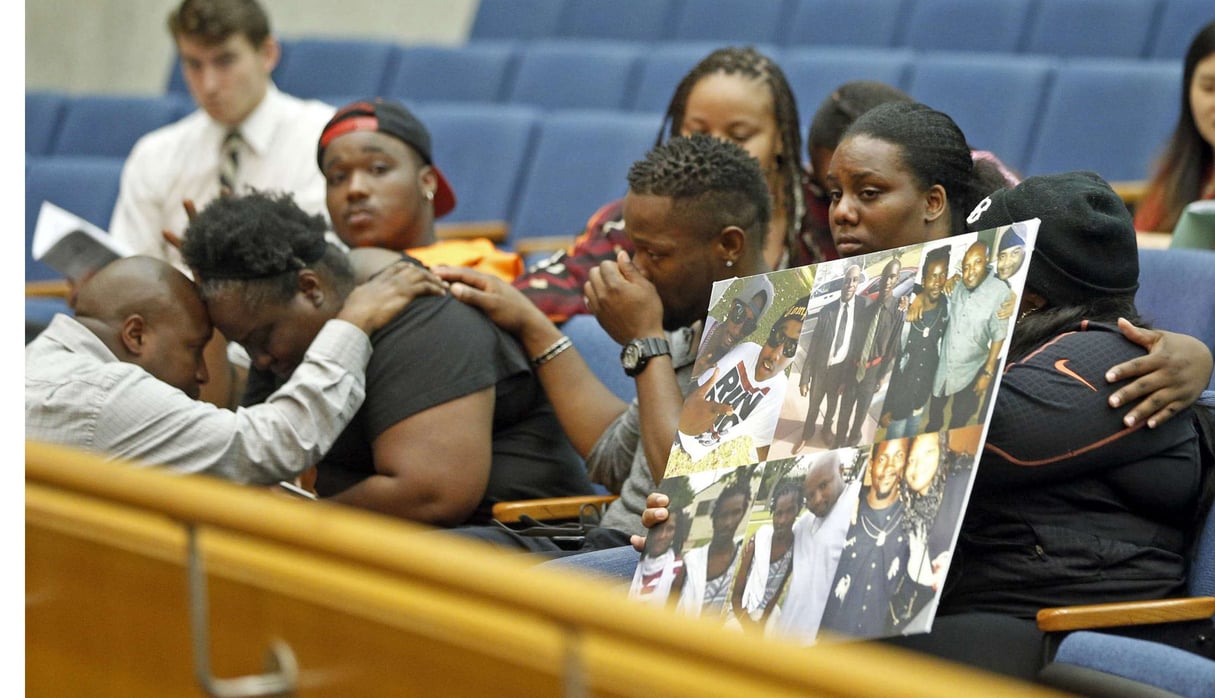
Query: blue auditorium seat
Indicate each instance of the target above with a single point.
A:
(1118, 28)
(483, 150)
(516, 19)
(85, 186)
(966, 25)
(1106, 115)
(476, 72)
(1179, 21)
(850, 23)
(813, 73)
(574, 74)
(43, 114)
(109, 125)
(601, 353)
(320, 67)
(731, 21)
(995, 99)
(580, 162)
(626, 20)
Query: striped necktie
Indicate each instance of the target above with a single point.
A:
(229, 160)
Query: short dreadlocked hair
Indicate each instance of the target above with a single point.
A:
(748, 62)
(786, 488)
(214, 21)
(714, 184)
(739, 485)
(258, 243)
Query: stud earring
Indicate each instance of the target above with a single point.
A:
(729, 263)
(430, 196)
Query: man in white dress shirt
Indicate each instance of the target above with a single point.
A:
(818, 540)
(227, 54)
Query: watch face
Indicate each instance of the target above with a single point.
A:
(630, 356)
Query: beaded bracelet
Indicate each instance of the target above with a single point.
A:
(551, 352)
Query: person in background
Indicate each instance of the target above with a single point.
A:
(384, 190)
(1186, 170)
(735, 94)
(245, 134)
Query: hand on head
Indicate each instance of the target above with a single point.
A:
(623, 300)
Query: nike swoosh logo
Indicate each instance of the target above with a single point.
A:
(1061, 367)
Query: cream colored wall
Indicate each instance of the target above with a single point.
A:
(122, 45)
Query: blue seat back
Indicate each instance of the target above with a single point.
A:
(1117, 28)
(1179, 21)
(321, 67)
(627, 20)
(43, 115)
(580, 162)
(1106, 115)
(995, 99)
(108, 125)
(965, 25)
(568, 74)
(869, 23)
(1177, 292)
(85, 186)
(516, 19)
(601, 353)
(477, 72)
(731, 21)
(814, 73)
(484, 151)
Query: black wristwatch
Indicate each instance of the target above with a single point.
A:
(638, 352)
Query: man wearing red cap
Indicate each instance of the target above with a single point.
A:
(384, 190)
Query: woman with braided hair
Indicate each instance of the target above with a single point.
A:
(736, 94)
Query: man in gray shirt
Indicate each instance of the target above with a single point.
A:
(970, 350)
(696, 211)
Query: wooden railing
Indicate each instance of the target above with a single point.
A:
(338, 602)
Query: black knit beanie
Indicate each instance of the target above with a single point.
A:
(1086, 243)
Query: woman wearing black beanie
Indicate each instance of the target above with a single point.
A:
(1069, 505)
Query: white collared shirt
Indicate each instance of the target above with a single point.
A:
(844, 325)
(77, 393)
(181, 161)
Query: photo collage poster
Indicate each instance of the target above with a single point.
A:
(828, 444)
